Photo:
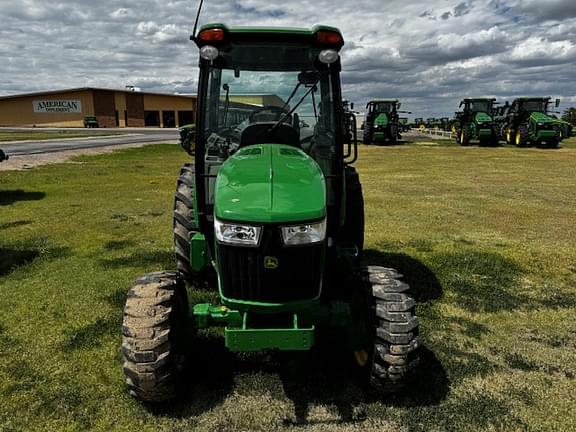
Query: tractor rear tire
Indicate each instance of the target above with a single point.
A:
(154, 336)
(464, 137)
(353, 229)
(393, 352)
(367, 138)
(393, 134)
(185, 226)
(521, 139)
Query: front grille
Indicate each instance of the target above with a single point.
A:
(243, 275)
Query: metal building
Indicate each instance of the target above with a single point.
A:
(112, 108)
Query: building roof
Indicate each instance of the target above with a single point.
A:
(81, 89)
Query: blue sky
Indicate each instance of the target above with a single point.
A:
(428, 54)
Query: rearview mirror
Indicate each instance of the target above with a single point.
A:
(557, 103)
(351, 106)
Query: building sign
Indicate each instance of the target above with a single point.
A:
(57, 106)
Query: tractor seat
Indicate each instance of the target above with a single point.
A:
(259, 133)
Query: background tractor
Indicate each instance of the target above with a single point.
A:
(526, 122)
(273, 207)
(419, 123)
(382, 123)
(475, 122)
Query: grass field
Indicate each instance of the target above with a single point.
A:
(485, 236)
(47, 135)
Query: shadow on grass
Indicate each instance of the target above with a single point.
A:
(319, 377)
(208, 381)
(90, 336)
(328, 378)
(14, 224)
(423, 282)
(9, 197)
(118, 244)
(482, 281)
(139, 259)
(12, 258)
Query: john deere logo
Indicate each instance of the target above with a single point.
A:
(270, 262)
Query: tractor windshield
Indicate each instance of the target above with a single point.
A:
(535, 106)
(481, 106)
(382, 107)
(266, 95)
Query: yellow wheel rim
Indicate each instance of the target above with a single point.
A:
(454, 129)
(361, 357)
(508, 136)
(462, 137)
(518, 138)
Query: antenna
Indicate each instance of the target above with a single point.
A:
(193, 36)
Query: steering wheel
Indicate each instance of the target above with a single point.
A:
(278, 112)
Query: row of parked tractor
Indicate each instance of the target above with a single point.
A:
(524, 122)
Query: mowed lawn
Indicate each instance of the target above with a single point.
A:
(486, 236)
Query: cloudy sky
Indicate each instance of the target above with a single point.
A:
(429, 54)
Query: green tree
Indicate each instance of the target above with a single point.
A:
(570, 115)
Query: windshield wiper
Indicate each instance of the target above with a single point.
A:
(287, 103)
(289, 113)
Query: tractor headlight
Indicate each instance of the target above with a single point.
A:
(209, 52)
(310, 233)
(237, 234)
(328, 56)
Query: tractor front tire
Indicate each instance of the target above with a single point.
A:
(184, 222)
(154, 336)
(392, 353)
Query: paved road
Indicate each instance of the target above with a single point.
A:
(133, 136)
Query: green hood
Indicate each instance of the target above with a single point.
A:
(270, 183)
(381, 120)
(481, 117)
(539, 117)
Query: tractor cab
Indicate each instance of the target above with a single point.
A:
(382, 106)
(260, 91)
(531, 105)
(473, 106)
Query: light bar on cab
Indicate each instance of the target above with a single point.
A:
(329, 38)
(211, 35)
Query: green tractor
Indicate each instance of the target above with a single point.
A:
(527, 123)
(419, 123)
(475, 122)
(273, 209)
(187, 135)
(382, 121)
